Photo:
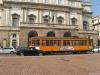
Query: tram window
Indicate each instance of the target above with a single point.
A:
(47, 42)
(66, 43)
(76, 43)
(59, 42)
(55, 43)
(35, 42)
(51, 43)
(72, 43)
(44, 42)
(83, 43)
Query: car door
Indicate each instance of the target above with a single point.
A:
(6, 50)
(1, 50)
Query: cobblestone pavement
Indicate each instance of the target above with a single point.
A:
(86, 64)
(2, 55)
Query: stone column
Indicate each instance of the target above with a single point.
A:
(80, 21)
(25, 14)
(7, 16)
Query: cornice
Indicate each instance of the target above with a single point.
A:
(39, 6)
(75, 0)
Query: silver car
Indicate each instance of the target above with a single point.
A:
(96, 50)
(7, 50)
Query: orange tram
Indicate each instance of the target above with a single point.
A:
(54, 44)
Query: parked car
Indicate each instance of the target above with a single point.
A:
(24, 51)
(7, 50)
(96, 50)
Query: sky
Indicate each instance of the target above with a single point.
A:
(96, 7)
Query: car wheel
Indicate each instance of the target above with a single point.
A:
(21, 54)
(11, 52)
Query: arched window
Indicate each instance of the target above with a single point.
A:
(15, 20)
(67, 34)
(60, 20)
(46, 19)
(32, 18)
(32, 34)
(51, 34)
(85, 25)
(74, 21)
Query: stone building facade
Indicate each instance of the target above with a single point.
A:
(96, 24)
(21, 19)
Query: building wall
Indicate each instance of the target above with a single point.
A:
(96, 26)
(67, 9)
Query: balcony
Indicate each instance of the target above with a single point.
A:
(41, 25)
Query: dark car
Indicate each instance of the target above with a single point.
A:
(24, 51)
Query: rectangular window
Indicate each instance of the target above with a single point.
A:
(72, 3)
(45, 1)
(32, 0)
(31, 20)
(15, 21)
(60, 2)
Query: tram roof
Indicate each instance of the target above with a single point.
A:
(62, 37)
